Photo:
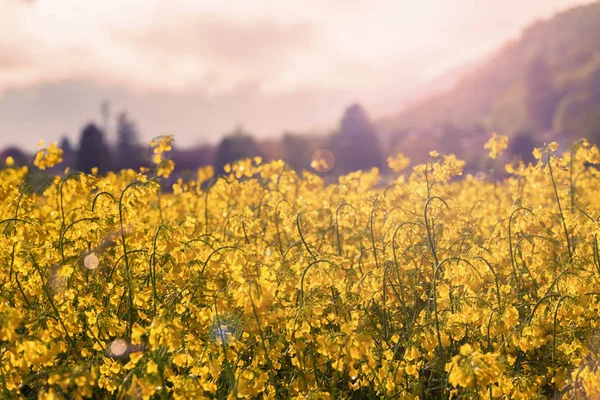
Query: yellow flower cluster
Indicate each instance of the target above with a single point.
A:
(496, 145)
(473, 369)
(162, 145)
(266, 283)
(398, 163)
(44, 158)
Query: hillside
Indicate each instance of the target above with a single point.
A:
(544, 84)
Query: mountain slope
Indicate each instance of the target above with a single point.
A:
(546, 81)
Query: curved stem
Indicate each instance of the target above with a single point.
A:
(302, 236)
(128, 271)
(429, 234)
(562, 216)
(554, 324)
(510, 247)
(301, 294)
(337, 226)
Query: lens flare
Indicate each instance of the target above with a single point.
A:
(91, 261)
(222, 334)
(322, 160)
(118, 347)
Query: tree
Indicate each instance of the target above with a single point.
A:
(356, 143)
(105, 113)
(233, 147)
(93, 152)
(128, 152)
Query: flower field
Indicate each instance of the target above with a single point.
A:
(266, 283)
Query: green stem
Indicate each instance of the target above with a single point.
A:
(562, 216)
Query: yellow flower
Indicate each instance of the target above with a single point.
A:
(165, 168)
(215, 291)
(398, 163)
(162, 144)
(205, 173)
(152, 367)
(496, 144)
(471, 368)
(48, 158)
(137, 333)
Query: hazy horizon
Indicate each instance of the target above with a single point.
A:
(198, 69)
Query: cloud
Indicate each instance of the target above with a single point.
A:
(215, 39)
(215, 46)
(217, 54)
(12, 59)
(176, 47)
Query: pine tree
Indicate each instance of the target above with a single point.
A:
(356, 145)
(93, 152)
(128, 152)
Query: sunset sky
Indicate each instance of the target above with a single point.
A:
(197, 68)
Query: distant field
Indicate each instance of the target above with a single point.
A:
(263, 283)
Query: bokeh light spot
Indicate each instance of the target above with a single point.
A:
(322, 160)
(91, 261)
(118, 347)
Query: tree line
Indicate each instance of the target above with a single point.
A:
(353, 145)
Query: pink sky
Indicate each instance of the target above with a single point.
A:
(316, 55)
